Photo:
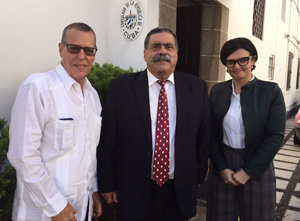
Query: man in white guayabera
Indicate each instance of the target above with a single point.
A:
(54, 133)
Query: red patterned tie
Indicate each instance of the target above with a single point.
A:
(161, 153)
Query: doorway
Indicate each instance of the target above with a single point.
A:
(188, 29)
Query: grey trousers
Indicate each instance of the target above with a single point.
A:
(254, 201)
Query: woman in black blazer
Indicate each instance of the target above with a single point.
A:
(248, 130)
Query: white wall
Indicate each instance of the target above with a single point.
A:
(121, 51)
(292, 97)
(273, 42)
(31, 30)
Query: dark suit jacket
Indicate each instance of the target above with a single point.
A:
(263, 113)
(125, 149)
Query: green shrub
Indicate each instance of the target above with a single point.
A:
(4, 139)
(100, 77)
(7, 174)
(8, 186)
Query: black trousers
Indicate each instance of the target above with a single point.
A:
(163, 204)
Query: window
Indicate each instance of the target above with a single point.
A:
(298, 74)
(283, 10)
(289, 72)
(258, 18)
(271, 67)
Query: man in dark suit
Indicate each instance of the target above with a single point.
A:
(154, 142)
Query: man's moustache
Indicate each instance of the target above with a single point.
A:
(161, 57)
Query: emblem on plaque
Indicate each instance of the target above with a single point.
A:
(132, 20)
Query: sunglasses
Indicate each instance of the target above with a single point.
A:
(75, 49)
(241, 61)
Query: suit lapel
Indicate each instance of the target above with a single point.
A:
(141, 89)
(225, 99)
(180, 102)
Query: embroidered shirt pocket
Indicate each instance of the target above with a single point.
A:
(64, 134)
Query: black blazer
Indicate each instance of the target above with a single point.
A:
(125, 148)
(263, 113)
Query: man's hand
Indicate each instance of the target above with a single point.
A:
(67, 214)
(241, 176)
(110, 197)
(97, 207)
(226, 175)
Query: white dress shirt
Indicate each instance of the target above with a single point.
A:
(233, 125)
(54, 133)
(154, 89)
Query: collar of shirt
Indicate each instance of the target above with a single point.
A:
(68, 80)
(152, 79)
(232, 85)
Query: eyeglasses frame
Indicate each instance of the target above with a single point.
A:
(237, 61)
(84, 48)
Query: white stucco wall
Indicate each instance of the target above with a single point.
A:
(31, 30)
(292, 96)
(274, 40)
(121, 51)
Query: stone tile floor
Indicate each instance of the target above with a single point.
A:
(287, 172)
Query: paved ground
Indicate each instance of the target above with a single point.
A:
(287, 171)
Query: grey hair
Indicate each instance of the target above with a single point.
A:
(159, 30)
(78, 26)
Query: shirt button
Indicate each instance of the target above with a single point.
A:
(147, 176)
(149, 154)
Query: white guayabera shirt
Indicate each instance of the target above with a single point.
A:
(54, 133)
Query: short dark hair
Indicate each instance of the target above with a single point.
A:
(232, 45)
(78, 26)
(159, 30)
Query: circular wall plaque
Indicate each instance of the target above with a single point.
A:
(132, 20)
